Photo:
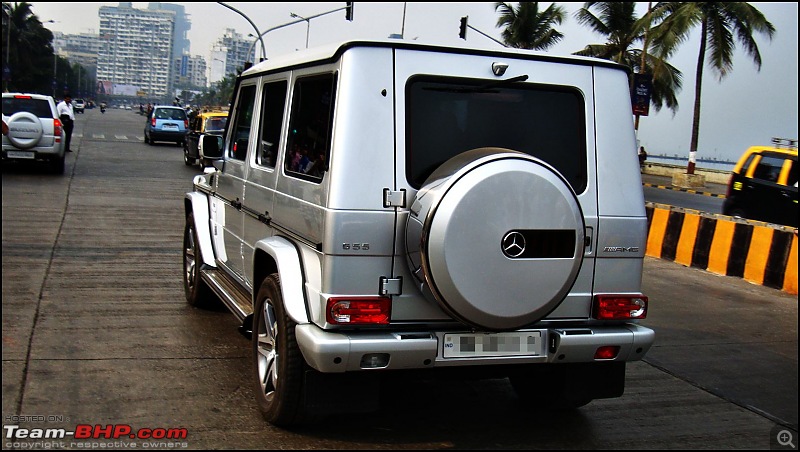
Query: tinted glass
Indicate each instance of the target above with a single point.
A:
(311, 127)
(271, 122)
(39, 107)
(241, 128)
(769, 168)
(446, 117)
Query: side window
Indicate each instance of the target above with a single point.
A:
(311, 127)
(769, 168)
(273, 103)
(241, 128)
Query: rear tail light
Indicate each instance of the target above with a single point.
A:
(185, 123)
(730, 185)
(153, 121)
(58, 128)
(619, 307)
(358, 311)
(22, 97)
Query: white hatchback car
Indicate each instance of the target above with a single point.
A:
(34, 131)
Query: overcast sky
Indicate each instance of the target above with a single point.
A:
(747, 108)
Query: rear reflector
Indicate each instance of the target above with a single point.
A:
(358, 311)
(619, 307)
(607, 352)
(22, 97)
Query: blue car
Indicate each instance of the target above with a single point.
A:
(166, 123)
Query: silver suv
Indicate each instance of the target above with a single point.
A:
(387, 206)
(34, 131)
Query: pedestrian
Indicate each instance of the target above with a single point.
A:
(67, 116)
(642, 155)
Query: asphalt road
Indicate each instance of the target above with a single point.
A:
(96, 331)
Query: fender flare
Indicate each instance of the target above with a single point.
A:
(197, 204)
(286, 259)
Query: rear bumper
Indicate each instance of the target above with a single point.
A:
(156, 135)
(38, 153)
(330, 351)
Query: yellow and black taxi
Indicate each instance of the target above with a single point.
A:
(763, 184)
(206, 123)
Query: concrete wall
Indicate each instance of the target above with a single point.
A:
(664, 169)
(761, 253)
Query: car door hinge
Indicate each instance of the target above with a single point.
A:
(391, 286)
(393, 198)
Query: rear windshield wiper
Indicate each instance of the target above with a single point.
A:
(487, 88)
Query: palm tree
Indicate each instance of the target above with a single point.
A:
(528, 28)
(721, 24)
(31, 51)
(622, 29)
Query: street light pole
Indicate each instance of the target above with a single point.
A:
(263, 48)
(348, 8)
(7, 10)
(308, 24)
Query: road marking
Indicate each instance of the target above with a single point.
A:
(121, 137)
(99, 136)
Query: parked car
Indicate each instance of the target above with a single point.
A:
(34, 131)
(388, 206)
(209, 123)
(79, 105)
(166, 123)
(763, 184)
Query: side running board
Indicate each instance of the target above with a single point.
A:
(229, 292)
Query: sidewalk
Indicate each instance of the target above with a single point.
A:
(665, 182)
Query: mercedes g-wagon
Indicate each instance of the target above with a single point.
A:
(377, 207)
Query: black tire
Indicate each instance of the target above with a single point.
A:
(278, 365)
(188, 161)
(544, 386)
(57, 165)
(198, 294)
(739, 213)
(146, 138)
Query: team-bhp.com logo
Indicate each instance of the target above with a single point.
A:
(86, 431)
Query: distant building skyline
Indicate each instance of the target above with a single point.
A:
(146, 52)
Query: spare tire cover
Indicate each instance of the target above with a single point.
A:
(24, 130)
(495, 237)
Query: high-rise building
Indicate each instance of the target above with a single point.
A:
(137, 49)
(190, 72)
(229, 54)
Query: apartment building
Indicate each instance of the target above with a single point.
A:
(137, 49)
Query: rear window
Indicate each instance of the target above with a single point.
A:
(39, 107)
(448, 116)
(216, 124)
(170, 113)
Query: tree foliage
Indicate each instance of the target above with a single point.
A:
(28, 52)
(623, 30)
(525, 27)
(721, 24)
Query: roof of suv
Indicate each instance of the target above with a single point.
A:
(332, 51)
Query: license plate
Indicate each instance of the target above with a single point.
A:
(518, 343)
(21, 155)
(170, 127)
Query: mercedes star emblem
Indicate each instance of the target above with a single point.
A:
(513, 244)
